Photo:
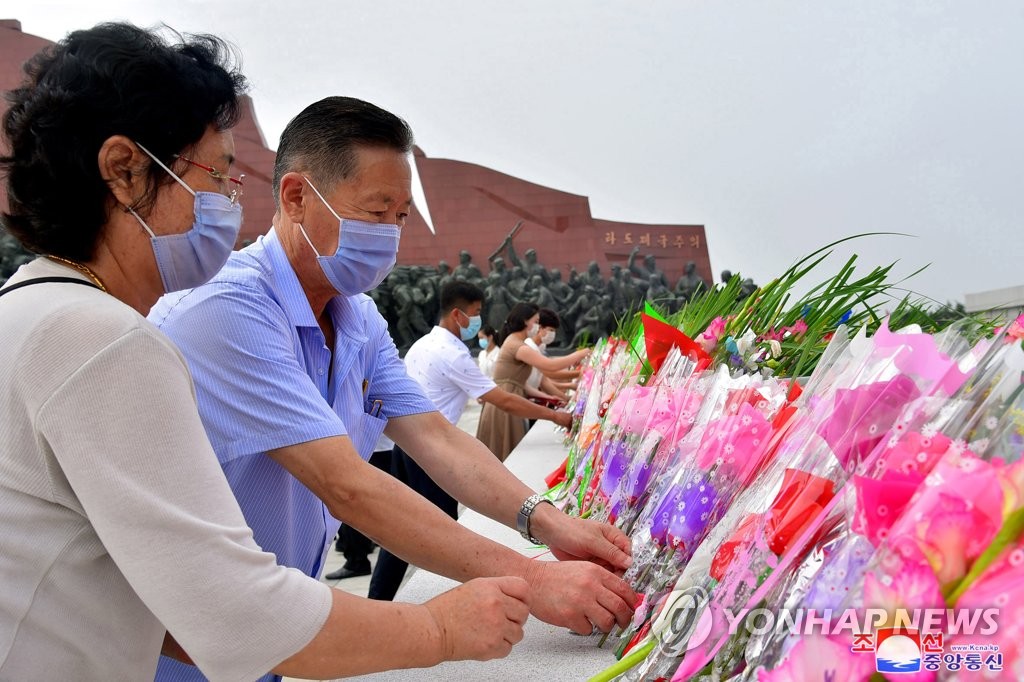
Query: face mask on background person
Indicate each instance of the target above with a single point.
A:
(473, 329)
(366, 253)
(548, 337)
(190, 259)
(483, 343)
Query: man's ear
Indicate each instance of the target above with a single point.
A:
(122, 165)
(292, 197)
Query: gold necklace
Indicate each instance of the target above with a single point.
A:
(84, 269)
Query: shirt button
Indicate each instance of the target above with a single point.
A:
(320, 371)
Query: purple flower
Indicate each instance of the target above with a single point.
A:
(683, 514)
(638, 478)
(616, 462)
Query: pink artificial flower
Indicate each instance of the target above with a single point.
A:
(946, 539)
(817, 657)
(638, 409)
(880, 502)
(799, 328)
(942, 531)
(958, 516)
(709, 339)
(735, 444)
(904, 580)
(621, 402)
(1016, 329)
(1000, 586)
(1011, 478)
(916, 454)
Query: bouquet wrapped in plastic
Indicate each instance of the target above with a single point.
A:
(723, 446)
(848, 409)
(919, 529)
(611, 366)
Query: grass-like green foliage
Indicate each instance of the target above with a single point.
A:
(774, 312)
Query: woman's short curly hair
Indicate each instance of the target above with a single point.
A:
(113, 79)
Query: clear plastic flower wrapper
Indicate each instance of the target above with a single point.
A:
(616, 418)
(717, 451)
(849, 406)
(626, 412)
(653, 423)
(612, 365)
(924, 447)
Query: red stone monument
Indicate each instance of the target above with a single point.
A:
(474, 208)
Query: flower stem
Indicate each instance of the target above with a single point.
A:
(625, 664)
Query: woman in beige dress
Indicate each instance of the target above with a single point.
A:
(499, 430)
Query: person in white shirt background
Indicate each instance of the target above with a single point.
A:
(441, 363)
(548, 386)
(488, 349)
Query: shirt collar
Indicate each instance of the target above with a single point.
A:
(292, 297)
(448, 339)
(344, 310)
(347, 318)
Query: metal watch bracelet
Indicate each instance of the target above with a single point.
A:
(523, 517)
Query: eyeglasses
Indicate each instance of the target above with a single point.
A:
(230, 187)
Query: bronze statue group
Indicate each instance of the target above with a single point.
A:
(589, 305)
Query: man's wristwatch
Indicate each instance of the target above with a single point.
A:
(523, 517)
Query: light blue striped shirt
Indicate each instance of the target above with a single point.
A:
(260, 366)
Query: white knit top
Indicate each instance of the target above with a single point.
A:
(116, 522)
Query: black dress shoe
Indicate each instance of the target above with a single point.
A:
(343, 573)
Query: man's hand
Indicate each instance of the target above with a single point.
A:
(579, 595)
(481, 619)
(571, 538)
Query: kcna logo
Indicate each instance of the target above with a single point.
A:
(898, 651)
(906, 650)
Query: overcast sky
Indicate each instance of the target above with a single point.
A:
(780, 126)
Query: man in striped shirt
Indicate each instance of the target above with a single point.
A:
(296, 378)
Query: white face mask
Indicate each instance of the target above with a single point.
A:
(548, 337)
(534, 328)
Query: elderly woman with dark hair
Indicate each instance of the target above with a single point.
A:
(118, 524)
(501, 431)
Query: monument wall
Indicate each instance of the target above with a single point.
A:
(474, 208)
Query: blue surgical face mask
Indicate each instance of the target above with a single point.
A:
(473, 329)
(483, 343)
(190, 259)
(366, 253)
